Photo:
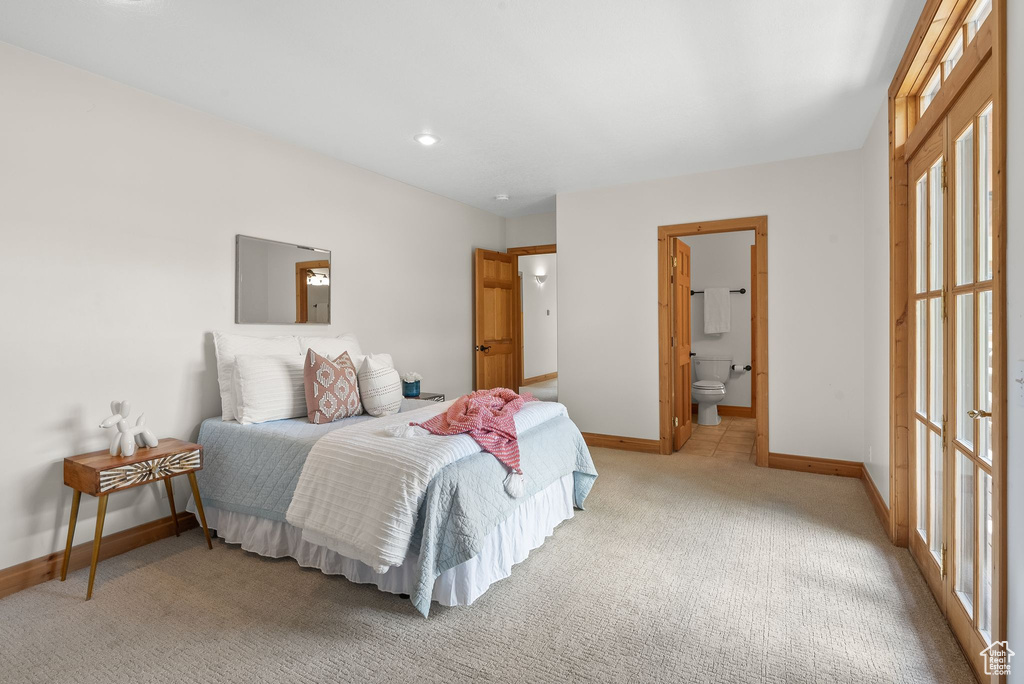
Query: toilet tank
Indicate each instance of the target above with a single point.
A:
(712, 367)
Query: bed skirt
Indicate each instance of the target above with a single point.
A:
(509, 543)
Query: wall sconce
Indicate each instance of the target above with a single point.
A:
(314, 278)
(541, 278)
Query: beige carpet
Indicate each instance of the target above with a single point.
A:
(683, 568)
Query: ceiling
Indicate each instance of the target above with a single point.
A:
(529, 97)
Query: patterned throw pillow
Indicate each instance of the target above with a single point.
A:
(332, 388)
(380, 386)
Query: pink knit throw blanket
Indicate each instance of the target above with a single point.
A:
(488, 416)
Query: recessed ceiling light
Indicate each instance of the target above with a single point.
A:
(501, 198)
(427, 139)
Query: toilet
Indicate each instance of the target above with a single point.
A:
(708, 389)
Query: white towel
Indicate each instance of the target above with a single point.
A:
(717, 311)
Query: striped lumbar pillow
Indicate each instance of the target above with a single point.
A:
(380, 386)
(268, 388)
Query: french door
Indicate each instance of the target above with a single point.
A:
(952, 534)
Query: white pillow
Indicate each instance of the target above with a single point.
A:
(380, 387)
(332, 347)
(269, 388)
(229, 346)
(378, 358)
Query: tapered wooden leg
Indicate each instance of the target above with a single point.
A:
(76, 498)
(101, 513)
(199, 507)
(170, 500)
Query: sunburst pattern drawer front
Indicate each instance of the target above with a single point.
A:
(149, 471)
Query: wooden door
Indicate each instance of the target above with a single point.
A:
(494, 298)
(753, 329)
(971, 371)
(683, 418)
(953, 375)
(927, 212)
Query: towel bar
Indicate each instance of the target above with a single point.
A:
(742, 290)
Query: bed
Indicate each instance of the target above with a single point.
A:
(264, 491)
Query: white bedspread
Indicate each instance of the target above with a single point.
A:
(360, 488)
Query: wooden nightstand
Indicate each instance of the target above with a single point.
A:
(429, 396)
(98, 474)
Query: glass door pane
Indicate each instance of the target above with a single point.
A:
(922, 357)
(965, 365)
(922, 233)
(985, 539)
(964, 557)
(935, 370)
(985, 194)
(937, 498)
(985, 342)
(936, 226)
(965, 207)
(921, 462)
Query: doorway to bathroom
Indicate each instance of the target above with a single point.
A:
(713, 329)
(722, 273)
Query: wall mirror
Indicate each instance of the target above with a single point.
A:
(278, 282)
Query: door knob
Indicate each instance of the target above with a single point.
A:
(482, 347)
(978, 413)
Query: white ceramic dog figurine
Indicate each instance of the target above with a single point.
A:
(125, 439)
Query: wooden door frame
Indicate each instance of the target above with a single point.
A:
(302, 287)
(667, 391)
(517, 321)
(939, 20)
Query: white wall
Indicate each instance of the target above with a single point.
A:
(875, 166)
(1015, 326)
(540, 315)
(723, 260)
(137, 201)
(527, 231)
(815, 297)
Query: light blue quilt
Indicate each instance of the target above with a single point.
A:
(253, 469)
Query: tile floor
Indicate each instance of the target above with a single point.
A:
(732, 438)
